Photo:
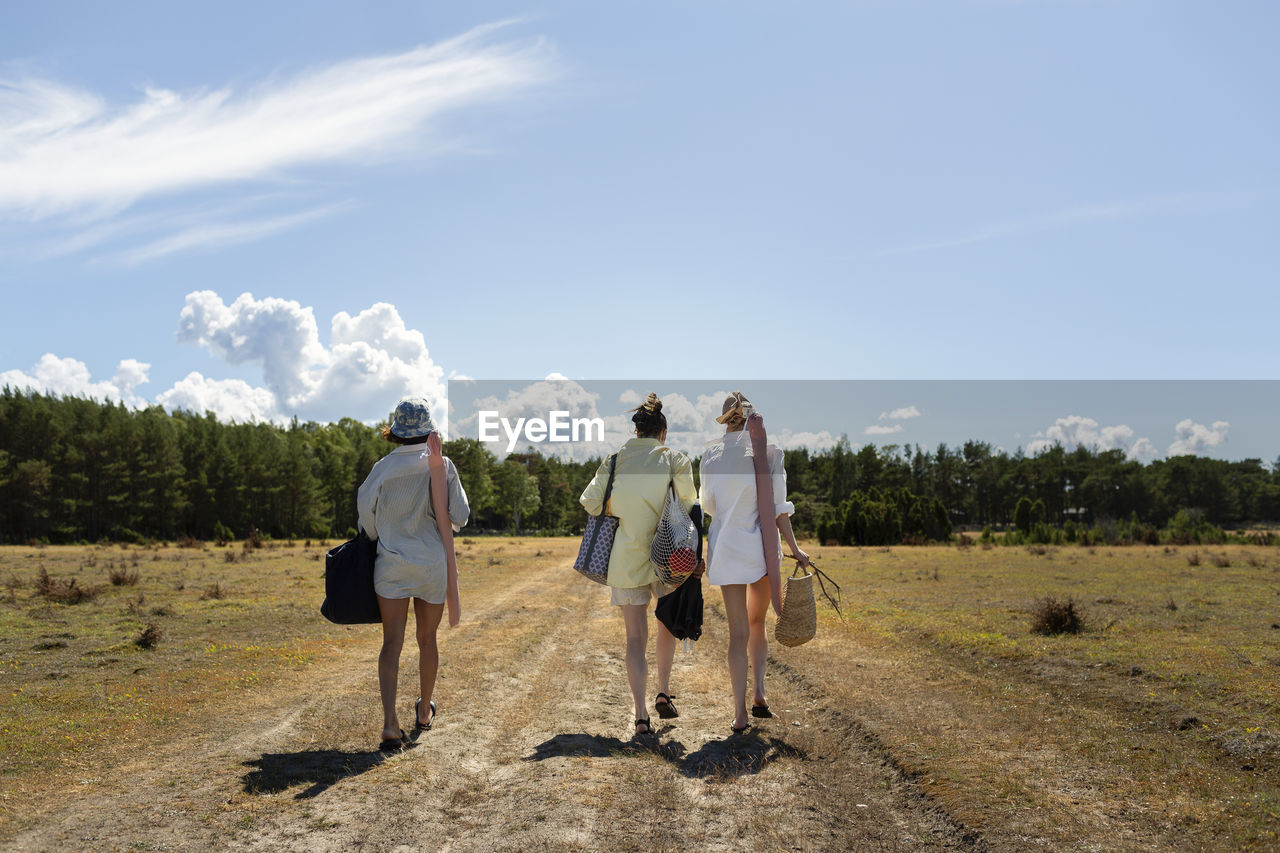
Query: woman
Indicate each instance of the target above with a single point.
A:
(396, 509)
(642, 472)
(735, 552)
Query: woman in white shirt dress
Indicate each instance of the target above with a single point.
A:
(735, 551)
(643, 470)
(396, 509)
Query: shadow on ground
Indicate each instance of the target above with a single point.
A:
(321, 768)
(735, 755)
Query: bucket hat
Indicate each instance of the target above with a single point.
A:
(412, 418)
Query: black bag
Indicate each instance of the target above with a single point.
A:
(681, 610)
(349, 598)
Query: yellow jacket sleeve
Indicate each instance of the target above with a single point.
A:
(593, 495)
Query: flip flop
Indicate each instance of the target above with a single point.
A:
(419, 727)
(666, 708)
(394, 744)
(761, 711)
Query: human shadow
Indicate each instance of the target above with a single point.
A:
(322, 768)
(735, 755)
(738, 754)
(583, 745)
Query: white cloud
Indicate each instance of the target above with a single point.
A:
(70, 377)
(229, 399)
(905, 413)
(882, 429)
(69, 154)
(372, 361)
(1078, 431)
(66, 150)
(277, 334)
(1193, 437)
(553, 376)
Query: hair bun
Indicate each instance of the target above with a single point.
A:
(652, 404)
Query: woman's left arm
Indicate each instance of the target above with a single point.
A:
(783, 507)
(682, 477)
(459, 508)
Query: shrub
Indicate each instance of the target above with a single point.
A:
(186, 540)
(215, 592)
(1051, 616)
(150, 636)
(1193, 559)
(253, 540)
(1222, 561)
(64, 592)
(122, 577)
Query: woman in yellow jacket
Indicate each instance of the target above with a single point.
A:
(643, 470)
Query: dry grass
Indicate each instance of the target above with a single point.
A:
(931, 697)
(1061, 735)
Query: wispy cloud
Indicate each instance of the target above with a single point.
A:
(902, 414)
(71, 156)
(1080, 215)
(882, 429)
(222, 234)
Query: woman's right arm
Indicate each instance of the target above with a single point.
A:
(592, 499)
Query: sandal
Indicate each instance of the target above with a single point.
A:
(394, 744)
(423, 727)
(738, 731)
(648, 728)
(666, 708)
(761, 711)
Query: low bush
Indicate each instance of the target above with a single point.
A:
(1051, 616)
(122, 577)
(64, 591)
(150, 636)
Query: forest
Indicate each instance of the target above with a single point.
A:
(80, 470)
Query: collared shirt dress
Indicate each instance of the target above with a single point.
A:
(395, 508)
(644, 468)
(727, 476)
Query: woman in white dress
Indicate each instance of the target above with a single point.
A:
(396, 509)
(735, 560)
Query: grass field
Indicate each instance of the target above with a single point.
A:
(929, 717)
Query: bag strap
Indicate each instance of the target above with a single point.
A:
(608, 488)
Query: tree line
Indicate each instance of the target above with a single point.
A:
(73, 469)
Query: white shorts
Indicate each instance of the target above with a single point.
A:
(637, 595)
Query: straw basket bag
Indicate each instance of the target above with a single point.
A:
(798, 622)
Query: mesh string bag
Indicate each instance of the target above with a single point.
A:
(673, 552)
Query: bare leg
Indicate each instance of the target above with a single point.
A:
(666, 653)
(395, 613)
(636, 619)
(735, 611)
(427, 620)
(758, 598)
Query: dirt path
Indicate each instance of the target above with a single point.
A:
(532, 751)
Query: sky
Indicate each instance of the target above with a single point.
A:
(313, 209)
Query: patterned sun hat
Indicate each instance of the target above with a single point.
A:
(412, 418)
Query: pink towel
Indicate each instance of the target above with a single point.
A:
(768, 513)
(440, 506)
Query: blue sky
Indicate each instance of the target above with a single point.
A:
(960, 189)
